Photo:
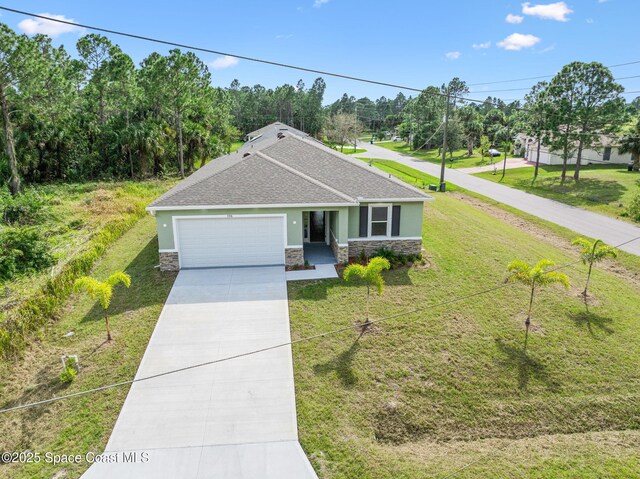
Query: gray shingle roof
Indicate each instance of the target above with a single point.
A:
(284, 171)
(253, 180)
(339, 171)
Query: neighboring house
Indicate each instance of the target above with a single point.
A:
(278, 193)
(606, 154)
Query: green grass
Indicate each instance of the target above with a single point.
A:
(84, 424)
(427, 393)
(460, 157)
(346, 149)
(605, 189)
(235, 146)
(421, 180)
(410, 175)
(353, 151)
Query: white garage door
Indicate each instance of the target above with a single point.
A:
(230, 241)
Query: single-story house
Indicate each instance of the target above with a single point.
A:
(607, 153)
(282, 191)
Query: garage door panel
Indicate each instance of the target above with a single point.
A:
(234, 241)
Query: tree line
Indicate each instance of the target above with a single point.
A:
(98, 115)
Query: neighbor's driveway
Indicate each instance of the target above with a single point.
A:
(594, 225)
(231, 420)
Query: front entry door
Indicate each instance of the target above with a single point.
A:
(317, 226)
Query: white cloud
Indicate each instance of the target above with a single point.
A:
(590, 21)
(319, 3)
(518, 41)
(511, 18)
(603, 1)
(548, 49)
(553, 11)
(481, 46)
(221, 63)
(31, 26)
(288, 35)
(452, 55)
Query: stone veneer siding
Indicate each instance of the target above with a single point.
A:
(401, 246)
(169, 261)
(293, 256)
(340, 252)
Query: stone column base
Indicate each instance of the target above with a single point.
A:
(401, 246)
(169, 261)
(293, 256)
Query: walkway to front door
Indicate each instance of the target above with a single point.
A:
(318, 253)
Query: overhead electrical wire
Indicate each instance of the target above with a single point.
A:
(287, 343)
(513, 80)
(253, 59)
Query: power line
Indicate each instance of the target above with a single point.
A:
(528, 88)
(244, 57)
(258, 60)
(288, 343)
(512, 80)
(217, 52)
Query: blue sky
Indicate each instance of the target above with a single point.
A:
(413, 43)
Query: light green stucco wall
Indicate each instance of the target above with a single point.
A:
(410, 220)
(294, 231)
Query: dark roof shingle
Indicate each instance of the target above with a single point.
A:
(284, 171)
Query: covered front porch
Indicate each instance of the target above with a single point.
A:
(321, 233)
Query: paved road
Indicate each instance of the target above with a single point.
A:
(610, 230)
(232, 420)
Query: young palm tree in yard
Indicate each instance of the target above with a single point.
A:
(102, 291)
(593, 253)
(371, 275)
(534, 277)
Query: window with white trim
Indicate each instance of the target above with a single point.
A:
(379, 220)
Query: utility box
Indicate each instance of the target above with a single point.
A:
(433, 188)
(443, 187)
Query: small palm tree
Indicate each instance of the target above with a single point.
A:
(102, 291)
(370, 274)
(593, 253)
(533, 277)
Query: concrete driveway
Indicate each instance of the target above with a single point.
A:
(594, 225)
(231, 420)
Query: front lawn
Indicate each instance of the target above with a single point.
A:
(460, 157)
(605, 189)
(83, 424)
(427, 393)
